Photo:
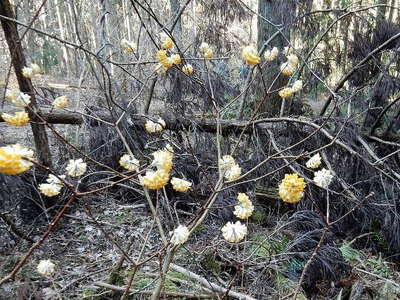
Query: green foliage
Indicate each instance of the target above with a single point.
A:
(259, 216)
(47, 57)
(264, 247)
(350, 254)
(295, 265)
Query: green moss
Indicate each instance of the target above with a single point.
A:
(259, 216)
(210, 263)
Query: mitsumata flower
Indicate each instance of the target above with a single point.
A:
(27, 72)
(61, 102)
(271, 55)
(286, 93)
(314, 162)
(17, 98)
(127, 46)
(323, 178)
(12, 160)
(46, 267)
(187, 69)
(166, 41)
(250, 55)
(76, 168)
(234, 232)
(229, 168)
(226, 162)
(154, 180)
(180, 235)
(152, 127)
(206, 50)
(176, 59)
(297, 86)
(245, 207)
(163, 160)
(129, 162)
(19, 118)
(287, 69)
(291, 189)
(180, 185)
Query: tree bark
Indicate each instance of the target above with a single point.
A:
(272, 11)
(25, 84)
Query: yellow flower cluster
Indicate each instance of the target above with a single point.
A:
(20, 118)
(129, 162)
(12, 160)
(166, 41)
(163, 160)
(289, 67)
(206, 50)
(187, 69)
(17, 98)
(127, 46)
(229, 168)
(245, 208)
(52, 187)
(286, 93)
(250, 55)
(180, 185)
(292, 187)
(152, 127)
(289, 91)
(32, 70)
(61, 102)
(155, 180)
(166, 61)
(234, 232)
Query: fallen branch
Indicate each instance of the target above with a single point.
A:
(211, 286)
(164, 293)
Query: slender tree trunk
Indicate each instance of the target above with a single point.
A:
(176, 93)
(25, 84)
(61, 27)
(271, 10)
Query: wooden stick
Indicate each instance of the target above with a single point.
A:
(165, 293)
(209, 285)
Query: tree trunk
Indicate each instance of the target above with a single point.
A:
(271, 10)
(25, 84)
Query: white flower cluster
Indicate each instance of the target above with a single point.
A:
(76, 168)
(46, 267)
(17, 98)
(245, 207)
(61, 102)
(129, 162)
(32, 70)
(180, 235)
(229, 168)
(180, 185)
(271, 55)
(234, 232)
(52, 187)
(152, 127)
(323, 177)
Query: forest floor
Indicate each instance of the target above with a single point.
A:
(87, 245)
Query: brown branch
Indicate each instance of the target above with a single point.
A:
(165, 293)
